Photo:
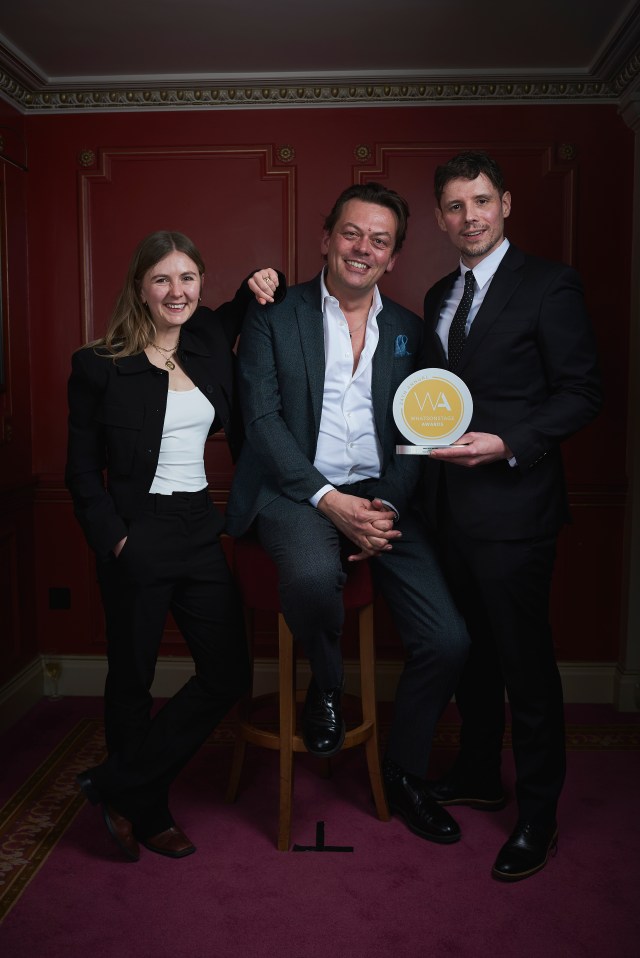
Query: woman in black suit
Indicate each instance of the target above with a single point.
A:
(142, 402)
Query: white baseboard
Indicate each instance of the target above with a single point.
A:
(583, 682)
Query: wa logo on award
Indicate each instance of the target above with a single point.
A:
(432, 407)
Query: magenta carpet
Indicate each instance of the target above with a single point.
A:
(66, 893)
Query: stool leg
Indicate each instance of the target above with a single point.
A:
(369, 712)
(287, 731)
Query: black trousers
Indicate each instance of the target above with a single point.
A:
(172, 562)
(503, 589)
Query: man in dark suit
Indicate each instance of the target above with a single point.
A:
(320, 480)
(514, 328)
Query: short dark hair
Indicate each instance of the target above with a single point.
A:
(373, 193)
(467, 166)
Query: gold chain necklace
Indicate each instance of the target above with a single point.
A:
(169, 363)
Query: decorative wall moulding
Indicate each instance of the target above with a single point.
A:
(567, 152)
(397, 93)
(286, 154)
(362, 153)
(87, 158)
(109, 177)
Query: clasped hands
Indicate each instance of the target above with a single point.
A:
(369, 525)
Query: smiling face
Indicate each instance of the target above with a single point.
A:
(359, 249)
(472, 212)
(171, 290)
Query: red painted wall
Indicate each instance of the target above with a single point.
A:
(18, 631)
(97, 183)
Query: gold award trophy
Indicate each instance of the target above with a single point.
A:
(431, 408)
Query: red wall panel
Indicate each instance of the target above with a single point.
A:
(98, 182)
(233, 202)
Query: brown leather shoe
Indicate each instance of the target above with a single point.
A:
(171, 842)
(121, 830)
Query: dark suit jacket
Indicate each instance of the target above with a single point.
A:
(530, 365)
(116, 415)
(282, 365)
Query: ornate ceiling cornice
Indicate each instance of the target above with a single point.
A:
(613, 78)
(327, 93)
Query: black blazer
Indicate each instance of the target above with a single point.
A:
(116, 415)
(530, 365)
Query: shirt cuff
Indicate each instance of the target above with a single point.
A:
(314, 500)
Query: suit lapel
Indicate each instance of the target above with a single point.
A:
(381, 377)
(311, 332)
(445, 289)
(507, 278)
(206, 366)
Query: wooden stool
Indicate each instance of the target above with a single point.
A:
(257, 579)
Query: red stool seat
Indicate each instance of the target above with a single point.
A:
(257, 579)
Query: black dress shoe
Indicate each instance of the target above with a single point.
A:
(526, 851)
(409, 798)
(454, 790)
(323, 727)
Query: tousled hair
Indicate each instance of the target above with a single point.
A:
(373, 193)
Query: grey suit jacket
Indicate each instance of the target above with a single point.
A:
(282, 364)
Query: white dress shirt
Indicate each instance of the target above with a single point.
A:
(348, 448)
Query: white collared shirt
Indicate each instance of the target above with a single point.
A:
(348, 448)
(483, 273)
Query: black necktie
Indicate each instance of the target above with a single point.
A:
(459, 322)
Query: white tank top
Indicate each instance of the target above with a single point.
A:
(187, 421)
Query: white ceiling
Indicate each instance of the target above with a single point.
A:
(53, 45)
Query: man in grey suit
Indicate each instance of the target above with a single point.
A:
(320, 482)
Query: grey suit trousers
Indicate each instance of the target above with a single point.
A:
(310, 555)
